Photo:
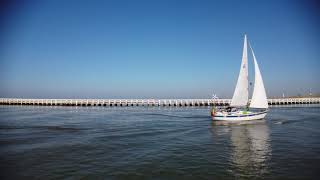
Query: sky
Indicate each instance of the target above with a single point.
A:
(155, 48)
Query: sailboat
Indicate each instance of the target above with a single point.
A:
(241, 108)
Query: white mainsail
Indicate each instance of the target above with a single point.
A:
(241, 93)
(259, 97)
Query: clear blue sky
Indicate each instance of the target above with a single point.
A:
(155, 48)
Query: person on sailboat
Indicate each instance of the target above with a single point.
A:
(228, 109)
(213, 110)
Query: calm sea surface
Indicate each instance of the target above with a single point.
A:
(156, 143)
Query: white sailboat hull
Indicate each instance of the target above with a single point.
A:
(239, 117)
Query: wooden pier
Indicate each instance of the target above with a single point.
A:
(145, 102)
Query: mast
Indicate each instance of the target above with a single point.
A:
(259, 97)
(241, 93)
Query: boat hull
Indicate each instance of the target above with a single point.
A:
(245, 117)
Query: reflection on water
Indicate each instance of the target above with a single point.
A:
(156, 143)
(251, 148)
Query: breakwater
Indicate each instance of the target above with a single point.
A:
(145, 102)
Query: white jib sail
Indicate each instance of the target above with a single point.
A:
(241, 93)
(259, 97)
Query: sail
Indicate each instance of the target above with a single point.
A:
(259, 97)
(241, 93)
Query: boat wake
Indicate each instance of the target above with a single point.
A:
(291, 121)
(175, 116)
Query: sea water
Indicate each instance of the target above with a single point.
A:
(41, 142)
